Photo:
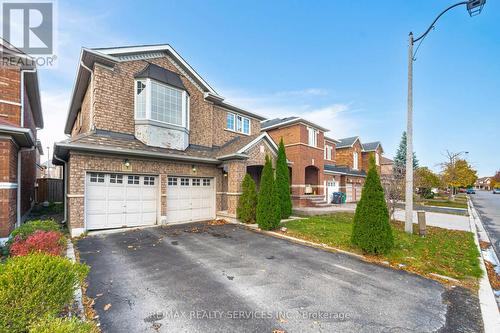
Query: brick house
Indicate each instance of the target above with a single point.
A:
(152, 142)
(20, 117)
(305, 146)
(372, 149)
(321, 165)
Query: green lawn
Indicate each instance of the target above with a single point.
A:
(446, 252)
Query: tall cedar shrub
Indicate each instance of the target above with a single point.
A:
(283, 182)
(268, 209)
(372, 231)
(247, 204)
(35, 286)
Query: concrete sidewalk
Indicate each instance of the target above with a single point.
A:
(446, 221)
(313, 211)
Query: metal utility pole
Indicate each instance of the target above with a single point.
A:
(474, 7)
(48, 162)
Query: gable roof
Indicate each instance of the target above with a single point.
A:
(279, 122)
(385, 161)
(161, 74)
(113, 55)
(347, 142)
(327, 138)
(371, 146)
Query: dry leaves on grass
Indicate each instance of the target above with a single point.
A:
(492, 275)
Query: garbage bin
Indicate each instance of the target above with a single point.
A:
(343, 197)
(337, 198)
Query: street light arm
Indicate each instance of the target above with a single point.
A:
(437, 18)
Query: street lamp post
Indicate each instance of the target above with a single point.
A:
(474, 7)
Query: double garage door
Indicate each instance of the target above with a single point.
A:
(118, 200)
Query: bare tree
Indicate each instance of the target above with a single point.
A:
(394, 188)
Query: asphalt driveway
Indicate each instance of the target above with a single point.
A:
(200, 278)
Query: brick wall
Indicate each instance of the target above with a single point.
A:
(8, 161)
(8, 199)
(366, 159)
(82, 122)
(80, 163)
(28, 180)
(10, 81)
(221, 135)
(345, 156)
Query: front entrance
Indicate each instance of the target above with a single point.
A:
(118, 200)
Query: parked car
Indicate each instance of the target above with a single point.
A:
(496, 191)
(470, 191)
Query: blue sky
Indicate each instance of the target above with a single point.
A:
(342, 64)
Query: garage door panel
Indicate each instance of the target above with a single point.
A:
(114, 200)
(193, 202)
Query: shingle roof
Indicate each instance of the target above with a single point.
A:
(347, 142)
(385, 160)
(161, 74)
(277, 121)
(123, 143)
(344, 170)
(370, 146)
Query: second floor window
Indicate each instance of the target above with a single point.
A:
(377, 158)
(328, 152)
(355, 161)
(160, 102)
(312, 137)
(237, 123)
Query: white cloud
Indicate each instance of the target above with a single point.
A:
(313, 104)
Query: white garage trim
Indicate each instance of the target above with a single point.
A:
(116, 200)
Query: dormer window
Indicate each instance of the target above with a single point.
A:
(160, 102)
(238, 123)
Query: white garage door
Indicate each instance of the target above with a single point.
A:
(190, 199)
(116, 200)
(349, 192)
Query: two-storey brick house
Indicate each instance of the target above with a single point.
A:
(305, 145)
(152, 142)
(20, 117)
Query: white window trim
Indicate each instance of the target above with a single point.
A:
(315, 137)
(328, 152)
(377, 158)
(185, 99)
(235, 122)
(355, 164)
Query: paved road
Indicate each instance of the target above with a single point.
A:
(199, 278)
(488, 206)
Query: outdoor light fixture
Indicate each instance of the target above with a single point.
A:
(474, 7)
(126, 163)
(193, 167)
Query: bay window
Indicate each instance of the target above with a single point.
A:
(160, 102)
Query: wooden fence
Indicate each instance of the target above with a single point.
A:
(49, 189)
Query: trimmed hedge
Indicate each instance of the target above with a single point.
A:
(36, 286)
(247, 203)
(268, 205)
(30, 227)
(283, 182)
(62, 325)
(50, 242)
(372, 231)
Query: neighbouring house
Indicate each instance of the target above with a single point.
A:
(386, 167)
(349, 152)
(20, 118)
(372, 149)
(483, 183)
(50, 170)
(321, 165)
(152, 142)
(305, 150)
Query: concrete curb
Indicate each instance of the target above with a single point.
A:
(487, 301)
(70, 254)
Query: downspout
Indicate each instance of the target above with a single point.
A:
(65, 173)
(19, 157)
(18, 199)
(91, 95)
